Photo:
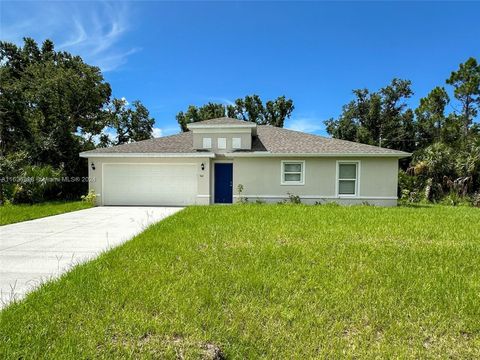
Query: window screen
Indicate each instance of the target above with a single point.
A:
(347, 179)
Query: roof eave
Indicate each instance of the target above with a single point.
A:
(209, 126)
(344, 154)
(87, 154)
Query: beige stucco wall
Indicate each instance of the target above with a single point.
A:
(261, 179)
(203, 194)
(243, 134)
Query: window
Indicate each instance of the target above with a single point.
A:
(222, 143)
(293, 173)
(347, 178)
(236, 143)
(207, 143)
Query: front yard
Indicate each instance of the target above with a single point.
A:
(10, 214)
(268, 281)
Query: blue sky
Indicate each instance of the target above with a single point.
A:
(170, 55)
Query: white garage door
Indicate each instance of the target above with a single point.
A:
(149, 184)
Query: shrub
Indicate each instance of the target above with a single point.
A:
(37, 184)
(476, 199)
(410, 196)
(293, 199)
(90, 198)
(454, 199)
(409, 187)
(241, 199)
(432, 166)
(10, 168)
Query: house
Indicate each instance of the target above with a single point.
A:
(209, 163)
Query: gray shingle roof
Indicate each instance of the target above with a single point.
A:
(179, 143)
(284, 141)
(223, 121)
(269, 139)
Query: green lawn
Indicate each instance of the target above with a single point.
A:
(276, 282)
(10, 214)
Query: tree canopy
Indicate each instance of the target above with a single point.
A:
(251, 108)
(131, 123)
(378, 118)
(53, 106)
(445, 145)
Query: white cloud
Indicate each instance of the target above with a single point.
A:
(157, 132)
(91, 30)
(221, 100)
(305, 124)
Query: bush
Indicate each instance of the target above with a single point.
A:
(454, 199)
(476, 199)
(10, 168)
(90, 198)
(241, 199)
(37, 184)
(292, 199)
(410, 188)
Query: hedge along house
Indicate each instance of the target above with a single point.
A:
(207, 164)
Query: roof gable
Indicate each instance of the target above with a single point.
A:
(222, 121)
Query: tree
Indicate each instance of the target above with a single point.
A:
(250, 108)
(190, 116)
(211, 111)
(131, 123)
(433, 164)
(48, 100)
(14, 128)
(466, 83)
(395, 118)
(377, 118)
(406, 132)
(468, 162)
(431, 117)
(278, 110)
(53, 106)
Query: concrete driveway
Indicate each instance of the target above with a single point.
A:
(38, 250)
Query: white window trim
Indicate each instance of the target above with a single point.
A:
(236, 143)
(357, 180)
(218, 143)
(209, 140)
(282, 167)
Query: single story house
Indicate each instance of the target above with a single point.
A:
(215, 159)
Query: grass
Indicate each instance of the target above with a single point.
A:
(262, 281)
(10, 214)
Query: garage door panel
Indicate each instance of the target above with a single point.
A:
(149, 184)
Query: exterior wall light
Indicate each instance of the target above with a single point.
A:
(201, 166)
(93, 166)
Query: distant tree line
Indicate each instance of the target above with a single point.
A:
(442, 133)
(251, 108)
(53, 106)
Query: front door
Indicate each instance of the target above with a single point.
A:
(223, 183)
